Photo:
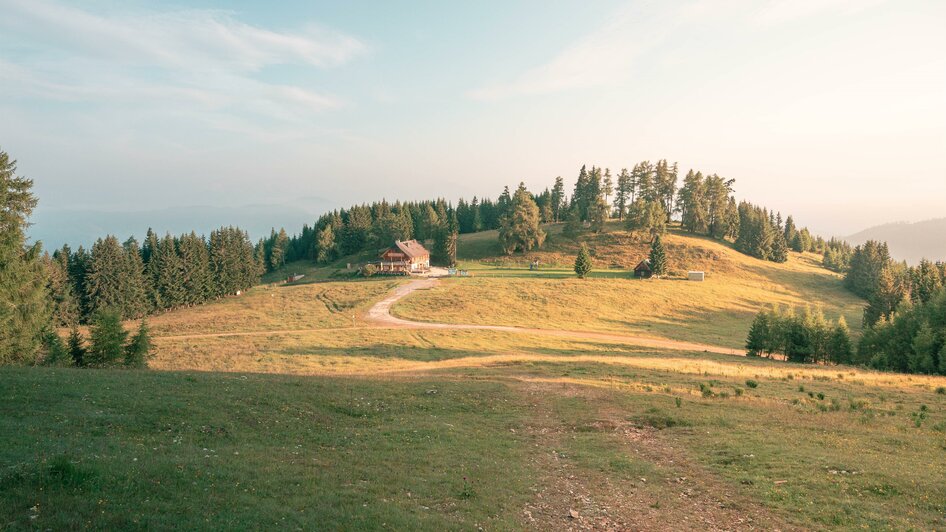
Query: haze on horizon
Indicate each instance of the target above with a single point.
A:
(830, 110)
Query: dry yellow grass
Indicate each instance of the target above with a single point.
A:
(276, 307)
(717, 311)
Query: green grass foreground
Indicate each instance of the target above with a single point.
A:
(148, 450)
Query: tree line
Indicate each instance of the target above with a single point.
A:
(904, 320)
(805, 337)
(369, 227)
(162, 274)
(109, 283)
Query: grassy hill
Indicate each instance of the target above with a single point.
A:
(285, 407)
(503, 291)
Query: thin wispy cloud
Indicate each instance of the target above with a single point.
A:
(608, 54)
(776, 12)
(603, 56)
(203, 60)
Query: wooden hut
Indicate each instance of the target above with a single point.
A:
(643, 270)
(407, 256)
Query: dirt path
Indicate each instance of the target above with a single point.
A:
(380, 313)
(379, 317)
(676, 492)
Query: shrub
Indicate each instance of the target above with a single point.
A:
(739, 391)
(941, 390)
(820, 396)
(678, 401)
(658, 419)
(801, 388)
(752, 384)
(368, 270)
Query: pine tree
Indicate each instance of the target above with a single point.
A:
(195, 269)
(106, 339)
(24, 300)
(622, 194)
(558, 199)
(55, 350)
(104, 286)
(598, 215)
(76, 347)
(658, 258)
(138, 349)
(170, 281)
(326, 245)
(277, 254)
(607, 185)
(583, 262)
(840, 346)
(135, 284)
(65, 304)
(759, 333)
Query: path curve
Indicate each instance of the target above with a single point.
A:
(380, 313)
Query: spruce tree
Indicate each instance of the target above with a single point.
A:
(65, 304)
(24, 301)
(106, 339)
(135, 286)
(840, 346)
(277, 254)
(55, 350)
(326, 245)
(583, 262)
(759, 333)
(138, 349)
(658, 259)
(76, 347)
(558, 199)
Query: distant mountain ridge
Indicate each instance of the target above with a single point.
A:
(909, 241)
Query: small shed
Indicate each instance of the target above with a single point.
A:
(696, 276)
(643, 270)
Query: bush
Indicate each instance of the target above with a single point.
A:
(369, 270)
(752, 384)
(941, 390)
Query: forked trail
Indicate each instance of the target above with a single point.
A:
(380, 313)
(379, 317)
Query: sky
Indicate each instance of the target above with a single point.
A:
(132, 113)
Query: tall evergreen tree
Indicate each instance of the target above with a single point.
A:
(24, 303)
(622, 194)
(106, 339)
(138, 349)
(558, 199)
(658, 258)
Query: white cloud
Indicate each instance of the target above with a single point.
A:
(776, 12)
(183, 39)
(199, 61)
(603, 56)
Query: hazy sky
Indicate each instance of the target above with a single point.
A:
(834, 110)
